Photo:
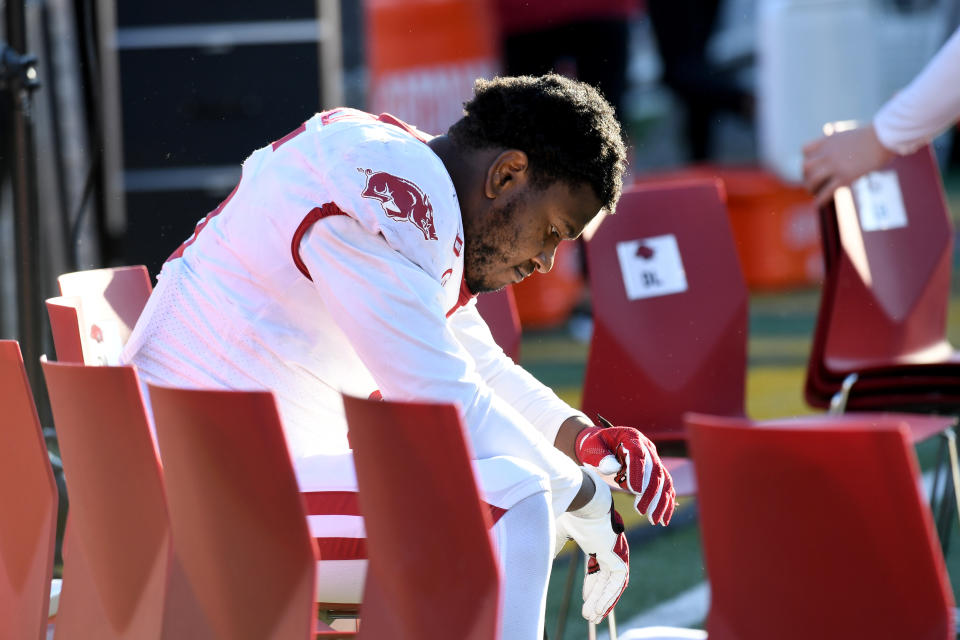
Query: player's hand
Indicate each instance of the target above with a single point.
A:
(837, 160)
(630, 455)
(599, 535)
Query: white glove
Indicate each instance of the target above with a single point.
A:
(598, 529)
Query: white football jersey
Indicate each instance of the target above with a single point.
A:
(336, 266)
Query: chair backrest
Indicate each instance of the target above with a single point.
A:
(432, 571)
(236, 511)
(69, 341)
(670, 310)
(28, 506)
(499, 311)
(888, 244)
(816, 528)
(117, 561)
(112, 300)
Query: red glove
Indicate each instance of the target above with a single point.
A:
(633, 458)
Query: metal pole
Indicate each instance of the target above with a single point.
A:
(19, 76)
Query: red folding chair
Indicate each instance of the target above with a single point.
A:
(881, 327)
(28, 507)
(111, 300)
(432, 571)
(70, 342)
(499, 311)
(237, 514)
(880, 340)
(798, 547)
(122, 579)
(669, 308)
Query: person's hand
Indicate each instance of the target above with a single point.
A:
(630, 455)
(599, 533)
(837, 160)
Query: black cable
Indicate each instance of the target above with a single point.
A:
(56, 122)
(96, 128)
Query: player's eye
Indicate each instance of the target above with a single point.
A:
(554, 231)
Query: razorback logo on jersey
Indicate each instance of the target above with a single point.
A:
(401, 200)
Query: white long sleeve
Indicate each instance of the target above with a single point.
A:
(534, 400)
(393, 314)
(927, 106)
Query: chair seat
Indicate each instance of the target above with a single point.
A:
(920, 427)
(934, 402)
(942, 356)
(904, 385)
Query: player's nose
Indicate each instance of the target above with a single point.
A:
(544, 259)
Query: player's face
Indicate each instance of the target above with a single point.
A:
(520, 235)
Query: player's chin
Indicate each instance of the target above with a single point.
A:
(487, 283)
(487, 287)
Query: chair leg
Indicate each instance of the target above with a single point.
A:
(950, 507)
(838, 403)
(954, 468)
(938, 471)
(611, 622)
(945, 519)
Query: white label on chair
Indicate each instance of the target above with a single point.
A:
(104, 340)
(879, 201)
(651, 267)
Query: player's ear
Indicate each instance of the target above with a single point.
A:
(508, 171)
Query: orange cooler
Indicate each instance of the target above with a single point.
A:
(424, 55)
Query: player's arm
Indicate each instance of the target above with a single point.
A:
(393, 313)
(551, 416)
(623, 452)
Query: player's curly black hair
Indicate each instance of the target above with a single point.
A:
(567, 129)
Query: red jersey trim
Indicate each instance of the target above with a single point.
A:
(276, 144)
(200, 225)
(345, 503)
(331, 503)
(325, 210)
(465, 296)
(389, 118)
(342, 548)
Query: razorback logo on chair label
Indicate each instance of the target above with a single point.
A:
(401, 200)
(651, 267)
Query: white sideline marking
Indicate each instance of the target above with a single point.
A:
(686, 609)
